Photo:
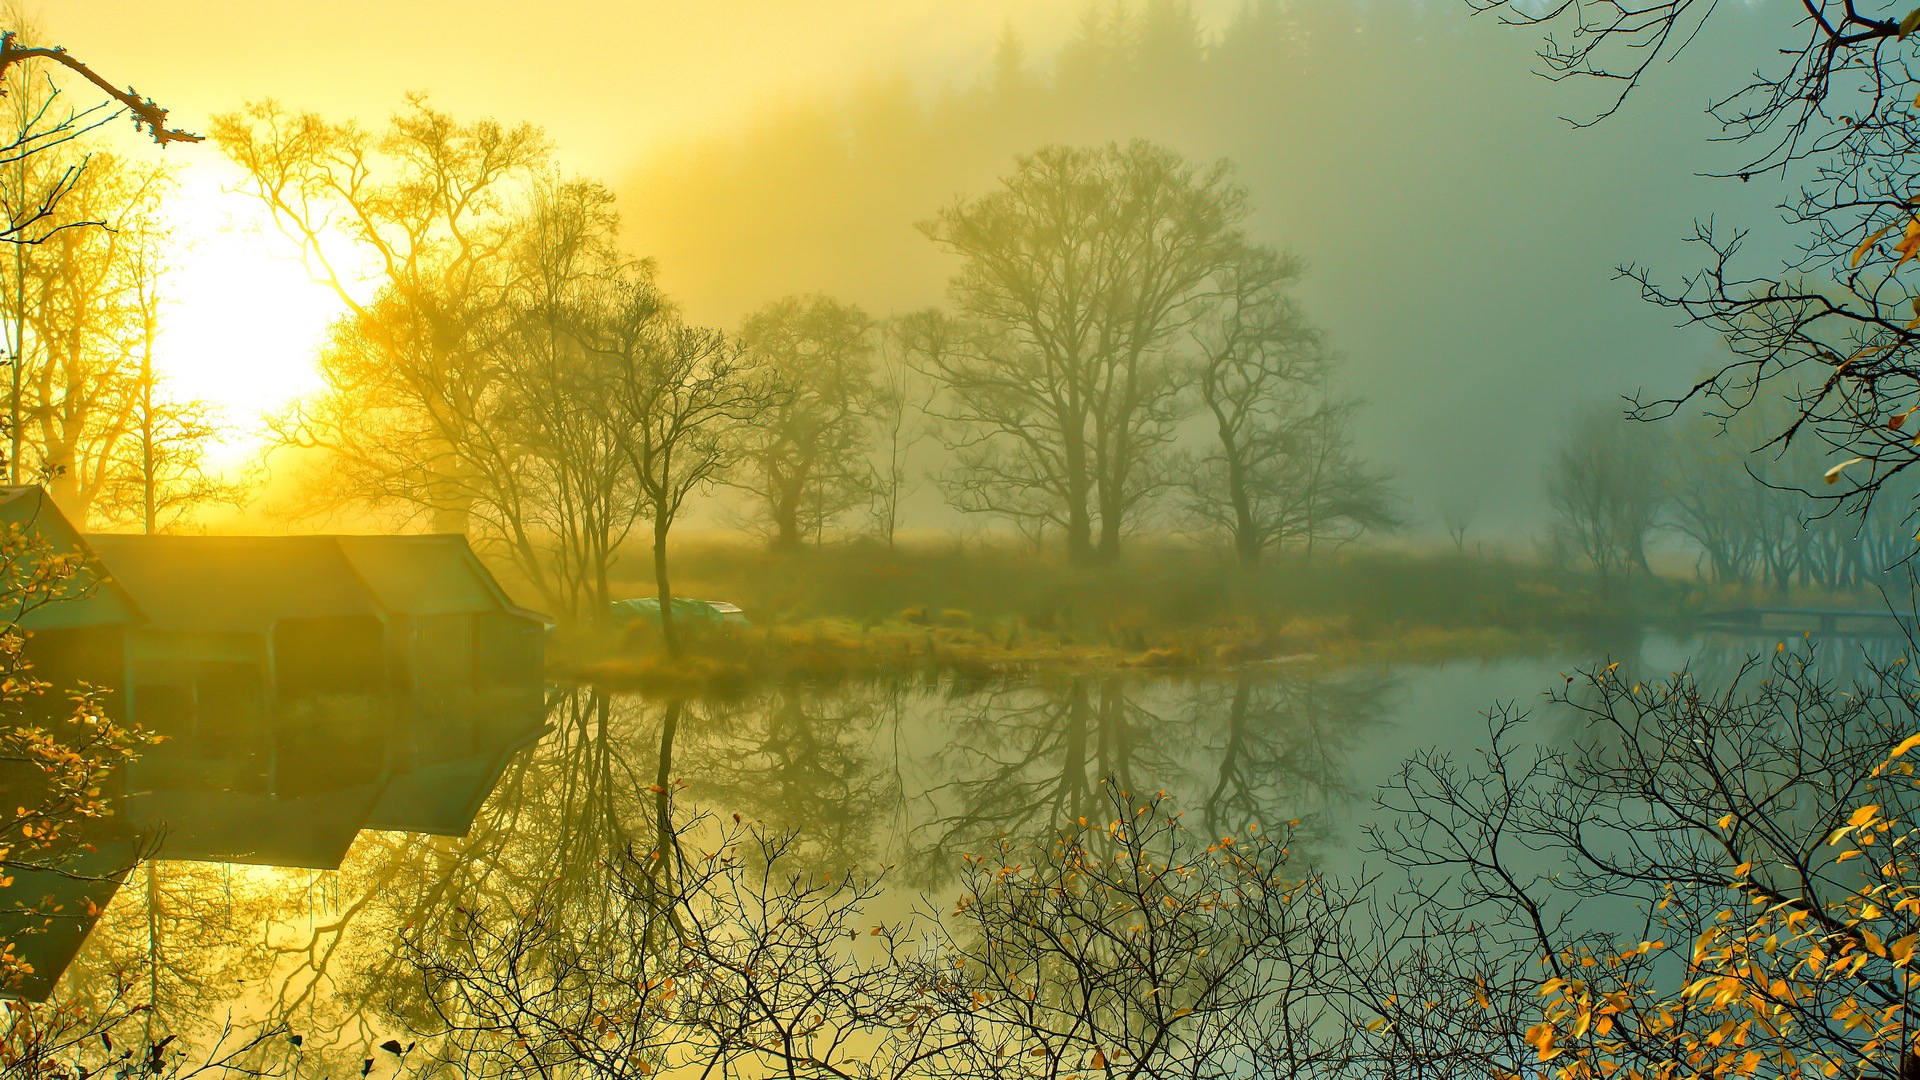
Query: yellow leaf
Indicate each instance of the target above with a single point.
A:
(1906, 744)
(1099, 1059)
(1863, 815)
(1727, 822)
(1909, 244)
(1833, 474)
(1867, 244)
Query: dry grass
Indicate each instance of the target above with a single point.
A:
(974, 611)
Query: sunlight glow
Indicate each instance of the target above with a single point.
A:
(244, 317)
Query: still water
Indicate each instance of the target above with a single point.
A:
(286, 874)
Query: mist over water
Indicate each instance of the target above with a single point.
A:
(901, 542)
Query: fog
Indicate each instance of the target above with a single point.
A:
(1460, 236)
(1185, 539)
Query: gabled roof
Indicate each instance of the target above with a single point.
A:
(429, 574)
(235, 584)
(244, 584)
(90, 598)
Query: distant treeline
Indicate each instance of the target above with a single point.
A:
(1753, 511)
(823, 191)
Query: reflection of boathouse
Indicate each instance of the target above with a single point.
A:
(309, 687)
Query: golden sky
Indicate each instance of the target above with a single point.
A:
(607, 80)
(1461, 238)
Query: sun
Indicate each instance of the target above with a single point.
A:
(243, 316)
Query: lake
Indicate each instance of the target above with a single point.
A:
(282, 885)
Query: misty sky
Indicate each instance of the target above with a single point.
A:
(1461, 238)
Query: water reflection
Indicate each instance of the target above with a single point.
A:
(294, 793)
(1283, 745)
(327, 840)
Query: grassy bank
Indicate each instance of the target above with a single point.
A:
(861, 609)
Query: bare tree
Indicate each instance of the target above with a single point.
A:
(469, 389)
(411, 412)
(683, 394)
(86, 295)
(38, 170)
(1665, 837)
(900, 402)
(1282, 468)
(1077, 278)
(1124, 942)
(805, 458)
(1606, 486)
(99, 422)
(574, 500)
(1828, 104)
(1457, 519)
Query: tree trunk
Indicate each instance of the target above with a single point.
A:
(1230, 754)
(16, 415)
(1079, 518)
(148, 510)
(1109, 538)
(662, 587)
(64, 486)
(786, 520)
(1073, 771)
(1079, 535)
(1247, 545)
(666, 843)
(1246, 535)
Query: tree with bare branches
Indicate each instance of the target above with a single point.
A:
(1078, 277)
(1830, 110)
(805, 463)
(41, 164)
(1281, 468)
(682, 398)
(412, 410)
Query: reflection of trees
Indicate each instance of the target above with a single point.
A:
(316, 951)
(1026, 758)
(1282, 741)
(1265, 748)
(547, 830)
(799, 757)
(1134, 948)
(1716, 658)
(176, 940)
